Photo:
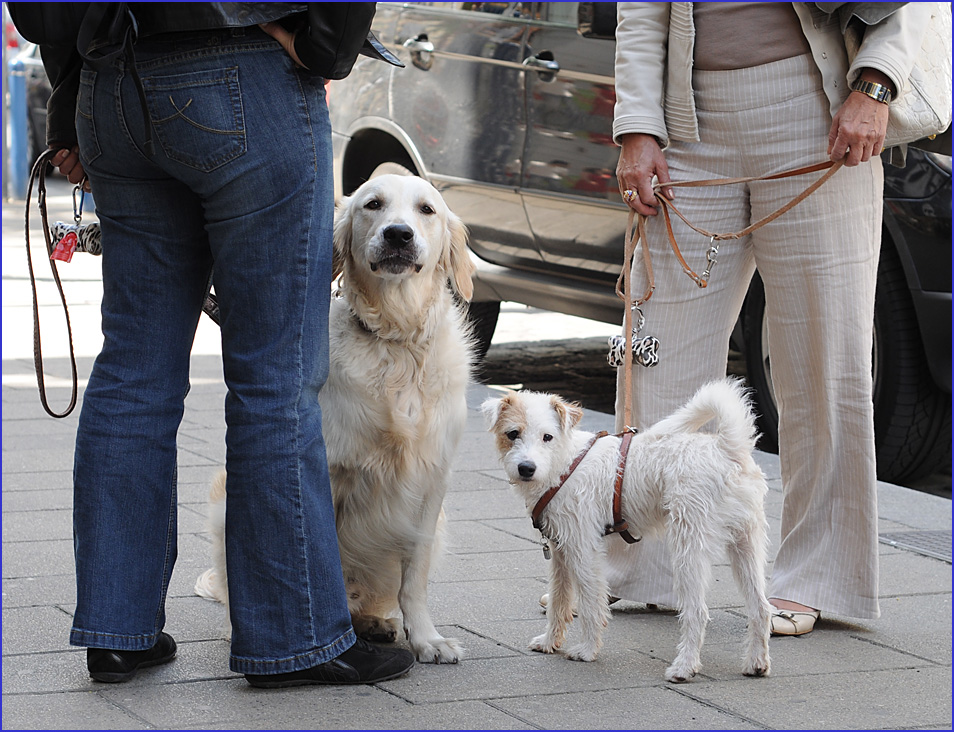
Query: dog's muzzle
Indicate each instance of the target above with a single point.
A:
(526, 471)
(398, 252)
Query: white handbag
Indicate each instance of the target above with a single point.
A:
(922, 109)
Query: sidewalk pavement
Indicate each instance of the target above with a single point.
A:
(890, 673)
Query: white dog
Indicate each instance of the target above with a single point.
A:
(393, 406)
(702, 490)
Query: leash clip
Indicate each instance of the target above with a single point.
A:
(78, 205)
(710, 261)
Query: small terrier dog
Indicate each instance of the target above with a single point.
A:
(701, 489)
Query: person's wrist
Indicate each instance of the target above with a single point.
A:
(879, 92)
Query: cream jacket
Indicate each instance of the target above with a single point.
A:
(654, 43)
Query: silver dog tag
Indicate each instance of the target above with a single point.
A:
(546, 548)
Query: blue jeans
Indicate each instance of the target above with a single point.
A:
(239, 185)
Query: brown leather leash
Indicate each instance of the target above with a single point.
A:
(619, 525)
(624, 285)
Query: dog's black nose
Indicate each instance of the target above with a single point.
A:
(398, 235)
(526, 470)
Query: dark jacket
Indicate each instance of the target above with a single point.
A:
(329, 38)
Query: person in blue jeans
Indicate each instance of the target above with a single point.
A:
(204, 132)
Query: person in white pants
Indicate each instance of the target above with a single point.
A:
(745, 90)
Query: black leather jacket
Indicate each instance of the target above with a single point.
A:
(328, 38)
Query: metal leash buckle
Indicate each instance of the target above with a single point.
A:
(710, 261)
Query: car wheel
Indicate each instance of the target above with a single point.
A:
(912, 416)
(758, 365)
(482, 317)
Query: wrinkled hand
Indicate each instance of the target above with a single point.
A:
(639, 160)
(68, 163)
(286, 38)
(858, 130)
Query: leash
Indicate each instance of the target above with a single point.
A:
(64, 240)
(38, 176)
(619, 525)
(624, 284)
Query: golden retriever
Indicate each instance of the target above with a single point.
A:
(393, 406)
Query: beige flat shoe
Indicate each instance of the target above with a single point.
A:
(793, 622)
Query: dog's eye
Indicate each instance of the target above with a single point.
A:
(427, 210)
(547, 438)
(373, 204)
(513, 435)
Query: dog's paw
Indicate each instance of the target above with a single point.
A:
(678, 674)
(544, 644)
(581, 652)
(438, 650)
(377, 630)
(760, 667)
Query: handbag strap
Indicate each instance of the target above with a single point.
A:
(38, 176)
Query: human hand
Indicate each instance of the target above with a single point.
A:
(68, 163)
(639, 160)
(286, 38)
(858, 129)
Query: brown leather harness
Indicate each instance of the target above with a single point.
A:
(619, 525)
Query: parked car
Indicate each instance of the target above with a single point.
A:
(508, 107)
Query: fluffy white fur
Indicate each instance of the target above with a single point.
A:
(393, 406)
(702, 490)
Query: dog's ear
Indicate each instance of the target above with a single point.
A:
(491, 410)
(496, 407)
(455, 259)
(342, 236)
(569, 413)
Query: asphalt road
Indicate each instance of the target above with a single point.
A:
(543, 351)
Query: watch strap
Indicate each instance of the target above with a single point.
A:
(878, 92)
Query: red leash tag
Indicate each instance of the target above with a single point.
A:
(65, 247)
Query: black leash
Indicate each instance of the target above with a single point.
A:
(38, 176)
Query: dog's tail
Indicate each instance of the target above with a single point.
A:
(212, 583)
(726, 402)
(217, 491)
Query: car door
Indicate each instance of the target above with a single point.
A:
(569, 175)
(461, 101)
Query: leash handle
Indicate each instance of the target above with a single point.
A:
(38, 176)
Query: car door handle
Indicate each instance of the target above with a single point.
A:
(543, 65)
(420, 44)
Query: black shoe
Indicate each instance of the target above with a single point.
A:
(112, 666)
(363, 663)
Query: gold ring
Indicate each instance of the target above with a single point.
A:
(629, 196)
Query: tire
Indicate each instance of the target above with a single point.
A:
(482, 317)
(758, 365)
(912, 415)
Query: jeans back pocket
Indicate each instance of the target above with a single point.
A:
(197, 117)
